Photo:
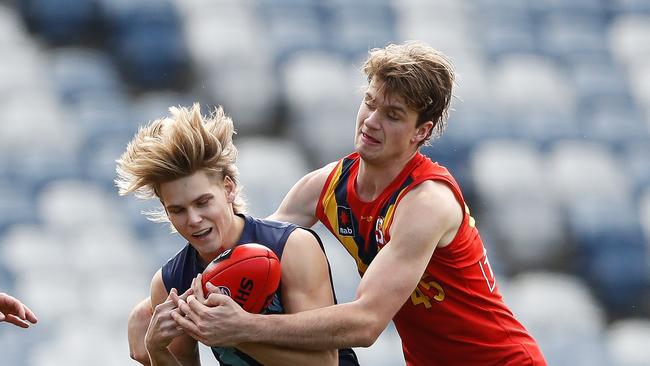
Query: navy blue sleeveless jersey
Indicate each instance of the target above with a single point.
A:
(179, 271)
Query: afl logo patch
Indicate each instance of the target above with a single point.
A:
(346, 227)
(224, 290)
(223, 256)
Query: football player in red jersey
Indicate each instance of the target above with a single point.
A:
(404, 220)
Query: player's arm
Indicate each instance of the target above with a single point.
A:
(138, 322)
(305, 286)
(424, 215)
(299, 205)
(182, 350)
(15, 312)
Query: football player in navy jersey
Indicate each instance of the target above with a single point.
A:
(187, 161)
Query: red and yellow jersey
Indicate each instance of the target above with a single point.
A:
(456, 315)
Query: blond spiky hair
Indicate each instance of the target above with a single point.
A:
(178, 146)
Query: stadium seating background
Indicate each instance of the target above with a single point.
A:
(549, 139)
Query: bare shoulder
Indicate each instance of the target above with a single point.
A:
(303, 256)
(302, 244)
(305, 275)
(433, 206)
(434, 190)
(158, 290)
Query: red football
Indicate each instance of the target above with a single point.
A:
(249, 273)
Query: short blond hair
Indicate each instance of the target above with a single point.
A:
(421, 75)
(175, 147)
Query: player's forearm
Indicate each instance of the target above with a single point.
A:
(332, 327)
(268, 354)
(183, 351)
(162, 357)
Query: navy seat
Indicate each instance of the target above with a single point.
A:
(571, 37)
(121, 17)
(34, 168)
(634, 155)
(147, 41)
(62, 22)
(154, 57)
(614, 121)
(610, 252)
(354, 28)
(81, 73)
(631, 7)
(18, 205)
(597, 81)
(505, 30)
(293, 31)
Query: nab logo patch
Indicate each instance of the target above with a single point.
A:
(346, 228)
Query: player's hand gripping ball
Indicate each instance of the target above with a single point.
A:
(248, 273)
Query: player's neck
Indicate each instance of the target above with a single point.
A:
(373, 178)
(236, 229)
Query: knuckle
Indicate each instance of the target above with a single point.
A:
(201, 326)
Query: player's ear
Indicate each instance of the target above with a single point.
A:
(422, 132)
(230, 188)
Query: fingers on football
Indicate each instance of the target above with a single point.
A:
(186, 325)
(173, 296)
(212, 289)
(198, 288)
(189, 311)
(216, 299)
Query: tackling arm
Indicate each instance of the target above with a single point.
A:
(299, 205)
(424, 216)
(305, 285)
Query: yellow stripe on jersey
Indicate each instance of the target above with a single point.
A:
(471, 222)
(330, 208)
(388, 220)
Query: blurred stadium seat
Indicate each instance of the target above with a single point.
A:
(518, 203)
(628, 341)
(575, 336)
(263, 162)
(80, 73)
(324, 95)
(586, 170)
(610, 253)
(62, 22)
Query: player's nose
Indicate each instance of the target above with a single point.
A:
(193, 216)
(372, 119)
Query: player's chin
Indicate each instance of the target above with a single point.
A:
(366, 153)
(208, 244)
